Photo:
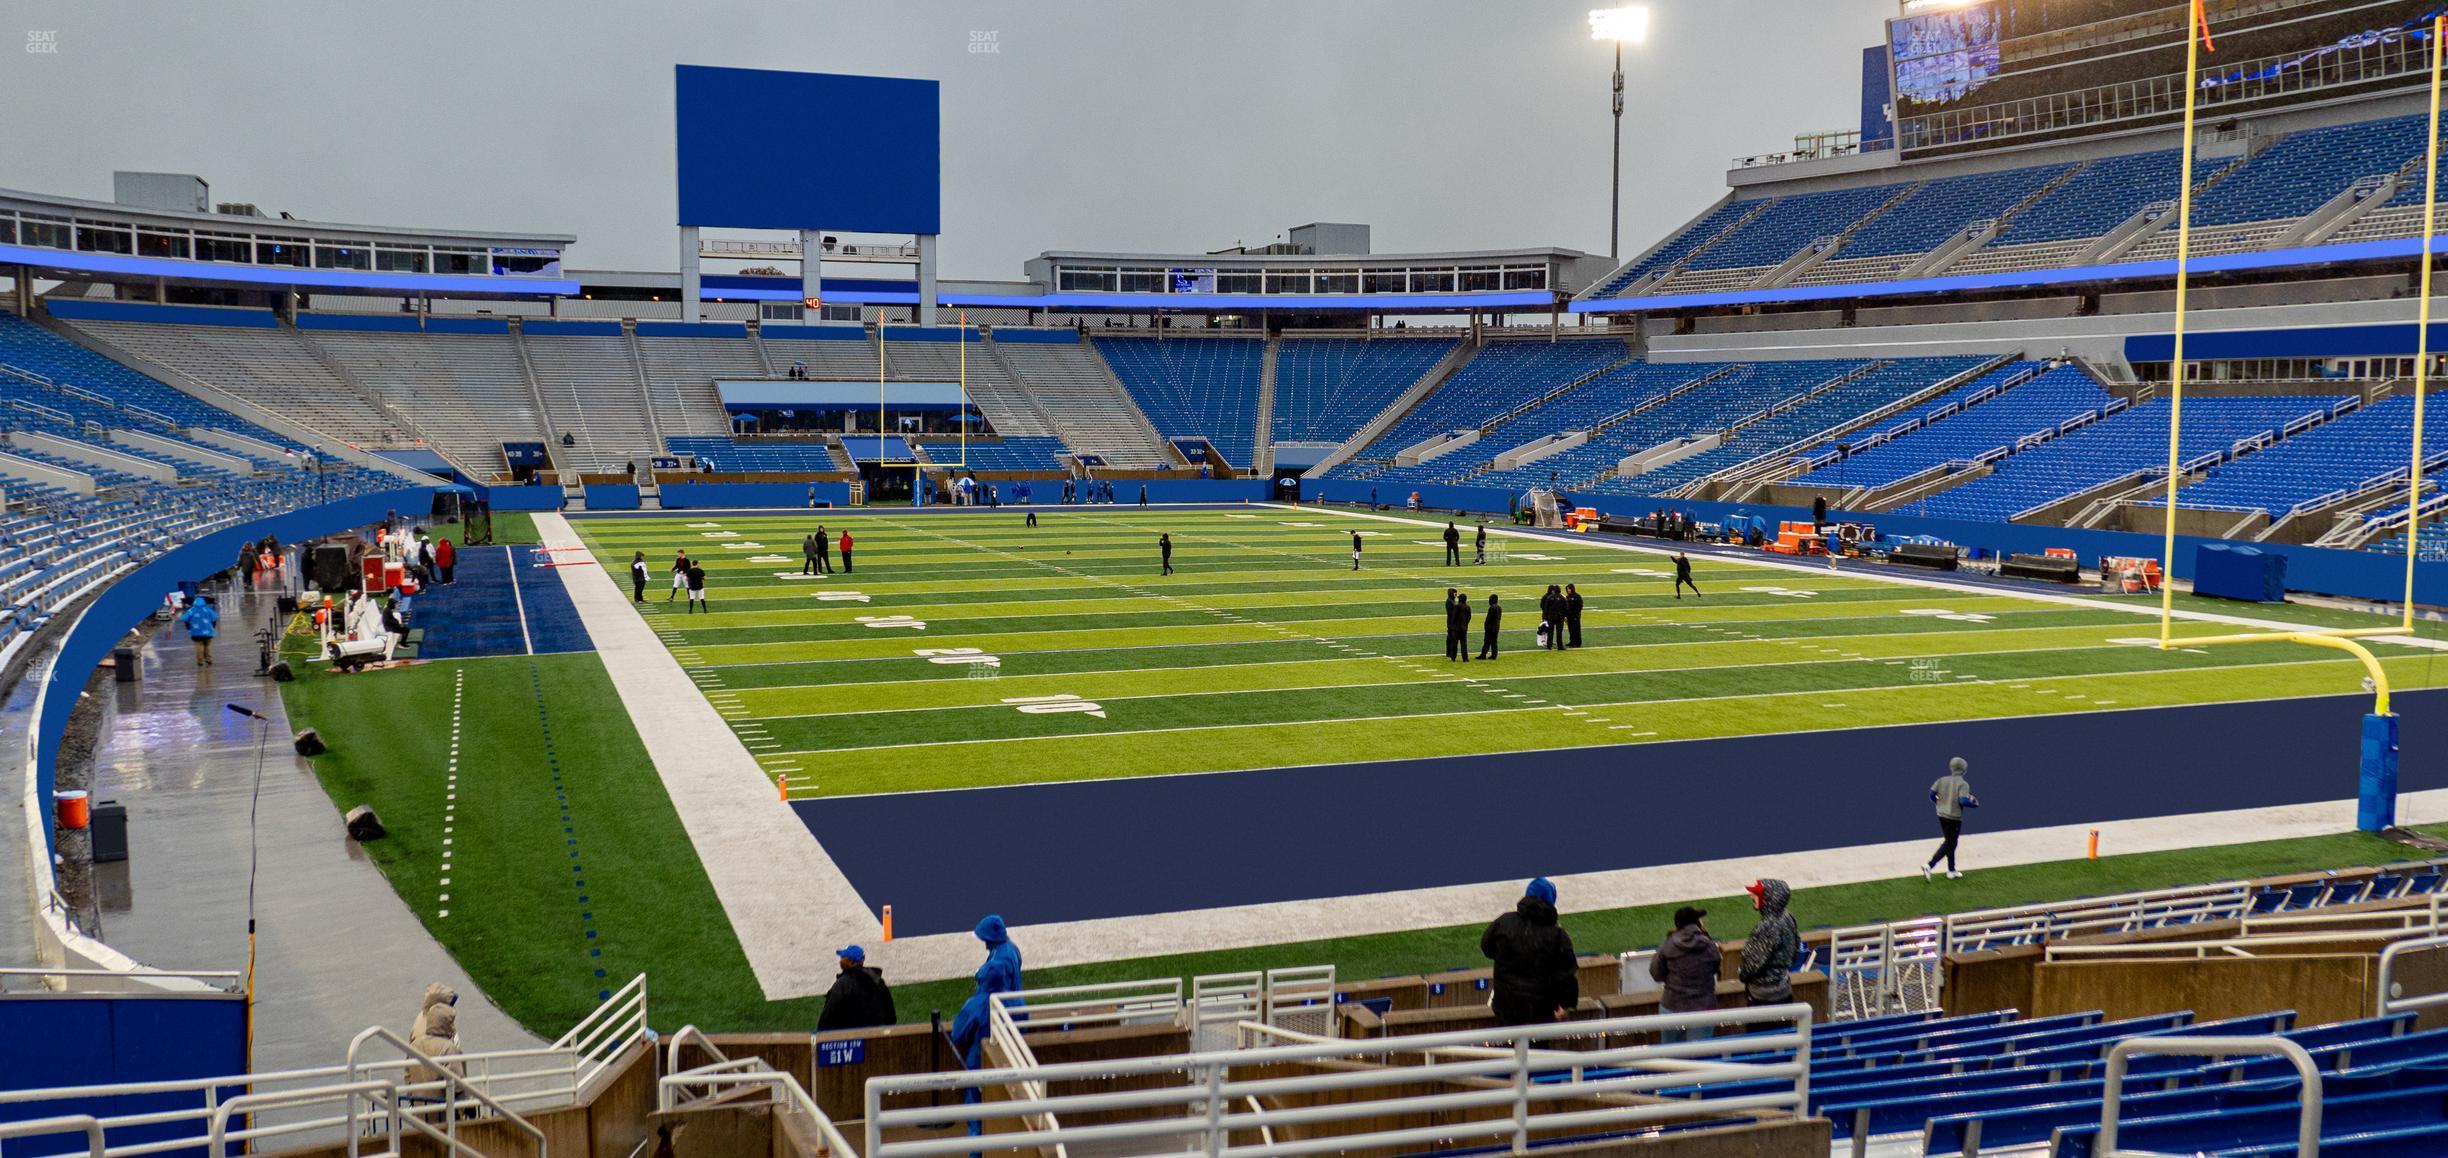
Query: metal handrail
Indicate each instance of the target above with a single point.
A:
(786, 1090)
(2224, 946)
(218, 1135)
(2391, 999)
(1206, 1101)
(448, 1079)
(683, 1035)
(2307, 1130)
(35, 1128)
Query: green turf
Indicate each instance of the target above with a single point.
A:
(519, 917)
(517, 926)
(1266, 649)
(1285, 642)
(509, 527)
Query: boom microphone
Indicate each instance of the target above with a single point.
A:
(247, 712)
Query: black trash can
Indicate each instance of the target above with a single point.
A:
(123, 665)
(110, 840)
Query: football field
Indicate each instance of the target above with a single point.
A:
(967, 649)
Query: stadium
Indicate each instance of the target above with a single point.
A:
(828, 613)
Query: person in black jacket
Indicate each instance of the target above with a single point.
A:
(1453, 544)
(1551, 616)
(1686, 967)
(1164, 550)
(1479, 546)
(859, 998)
(1457, 628)
(1683, 577)
(1572, 614)
(1487, 639)
(1537, 975)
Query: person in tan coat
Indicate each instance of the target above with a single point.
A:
(439, 1040)
(435, 994)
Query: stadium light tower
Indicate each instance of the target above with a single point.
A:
(1630, 22)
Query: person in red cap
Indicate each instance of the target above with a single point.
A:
(1768, 956)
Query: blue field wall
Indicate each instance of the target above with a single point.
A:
(91, 1040)
(516, 498)
(700, 496)
(611, 497)
(2319, 570)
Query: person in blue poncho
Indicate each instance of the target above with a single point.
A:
(203, 621)
(1000, 974)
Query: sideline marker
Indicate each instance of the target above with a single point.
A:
(888, 923)
(2094, 853)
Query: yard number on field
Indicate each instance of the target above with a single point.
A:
(841, 596)
(1048, 705)
(910, 622)
(1955, 616)
(956, 656)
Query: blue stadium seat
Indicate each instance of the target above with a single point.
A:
(2348, 453)
(1928, 216)
(1500, 376)
(1784, 228)
(2306, 168)
(1326, 389)
(2042, 403)
(1194, 387)
(754, 456)
(2105, 194)
(2120, 445)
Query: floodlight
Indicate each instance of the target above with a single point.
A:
(1630, 22)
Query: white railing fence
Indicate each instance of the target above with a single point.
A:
(721, 1078)
(448, 1095)
(1484, 1086)
(2308, 1128)
(1898, 967)
(2392, 998)
(334, 1104)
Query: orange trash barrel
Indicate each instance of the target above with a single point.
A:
(73, 811)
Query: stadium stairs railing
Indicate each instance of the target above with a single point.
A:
(334, 1105)
(2308, 1130)
(1899, 966)
(1194, 1103)
(1213, 1008)
(2392, 998)
(722, 1081)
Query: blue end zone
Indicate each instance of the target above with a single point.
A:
(480, 615)
(1114, 848)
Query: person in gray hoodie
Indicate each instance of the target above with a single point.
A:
(1686, 966)
(1768, 955)
(1952, 794)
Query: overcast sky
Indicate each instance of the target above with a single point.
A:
(1123, 125)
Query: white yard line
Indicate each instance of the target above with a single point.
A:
(520, 600)
(789, 904)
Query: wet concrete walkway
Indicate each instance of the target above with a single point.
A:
(337, 949)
